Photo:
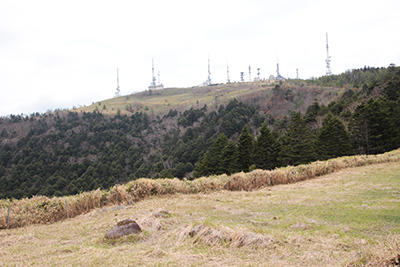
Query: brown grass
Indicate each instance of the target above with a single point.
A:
(44, 210)
(283, 225)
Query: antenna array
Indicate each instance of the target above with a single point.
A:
(227, 71)
(328, 58)
(118, 91)
(249, 73)
(153, 84)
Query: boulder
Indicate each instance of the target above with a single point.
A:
(125, 227)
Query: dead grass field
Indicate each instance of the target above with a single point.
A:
(347, 218)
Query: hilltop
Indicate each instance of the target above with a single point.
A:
(293, 95)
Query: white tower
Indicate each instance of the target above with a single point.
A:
(208, 82)
(118, 91)
(227, 72)
(328, 58)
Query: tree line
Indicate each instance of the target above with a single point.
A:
(66, 153)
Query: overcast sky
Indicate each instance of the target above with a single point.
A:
(59, 54)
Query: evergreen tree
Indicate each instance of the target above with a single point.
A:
(333, 140)
(266, 149)
(229, 158)
(211, 162)
(245, 150)
(298, 143)
(312, 112)
(373, 129)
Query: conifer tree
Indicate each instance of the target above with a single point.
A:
(372, 128)
(229, 158)
(299, 146)
(333, 140)
(266, 149)
(210, 164)
(245, 150)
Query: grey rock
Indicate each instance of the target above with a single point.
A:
(125, 227)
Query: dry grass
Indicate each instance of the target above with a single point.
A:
(44, 210)
(347, 218)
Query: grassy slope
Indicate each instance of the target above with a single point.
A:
(347, 217)
(161, 101)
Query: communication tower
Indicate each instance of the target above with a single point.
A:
(153, 84)
(278, 75)
(208, 82)
(328, 58)
(241, 76)
(118, 91)
(297, 74)
(227, 71)
(249, 73)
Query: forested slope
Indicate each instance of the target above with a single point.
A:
(238, 128)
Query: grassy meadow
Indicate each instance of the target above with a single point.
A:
(350, 217)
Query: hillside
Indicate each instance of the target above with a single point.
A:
(200, 131)
(292, 95)
(347, 218)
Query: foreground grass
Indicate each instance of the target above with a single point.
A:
(351, 217)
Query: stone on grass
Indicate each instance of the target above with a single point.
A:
(125, 227)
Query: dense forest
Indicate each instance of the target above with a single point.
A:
(65, 153)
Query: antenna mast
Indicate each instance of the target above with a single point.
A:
(328, 58)
(278, 75)
(153, 84)
(297, 74)
(227, 71)
(117, 93)
(208, 82)
(249, 73)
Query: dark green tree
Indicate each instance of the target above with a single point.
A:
(229, 158)
(333, 140)
(373, 129)
(266, 149)
(298, 143)
(245, 148)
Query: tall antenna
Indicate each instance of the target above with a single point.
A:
(258, 73)
(153, 79)
(227, 71)
(241, 76)
(297, 74)
(249, 73)
(153, 84)
(209, 73)
(328, 58)
(278, 75)
(118, 91)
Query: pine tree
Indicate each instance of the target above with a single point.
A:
(266, 149)
(333, 140)
(298, 147)
(245, 150)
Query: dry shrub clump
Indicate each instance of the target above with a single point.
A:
(43, 210)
